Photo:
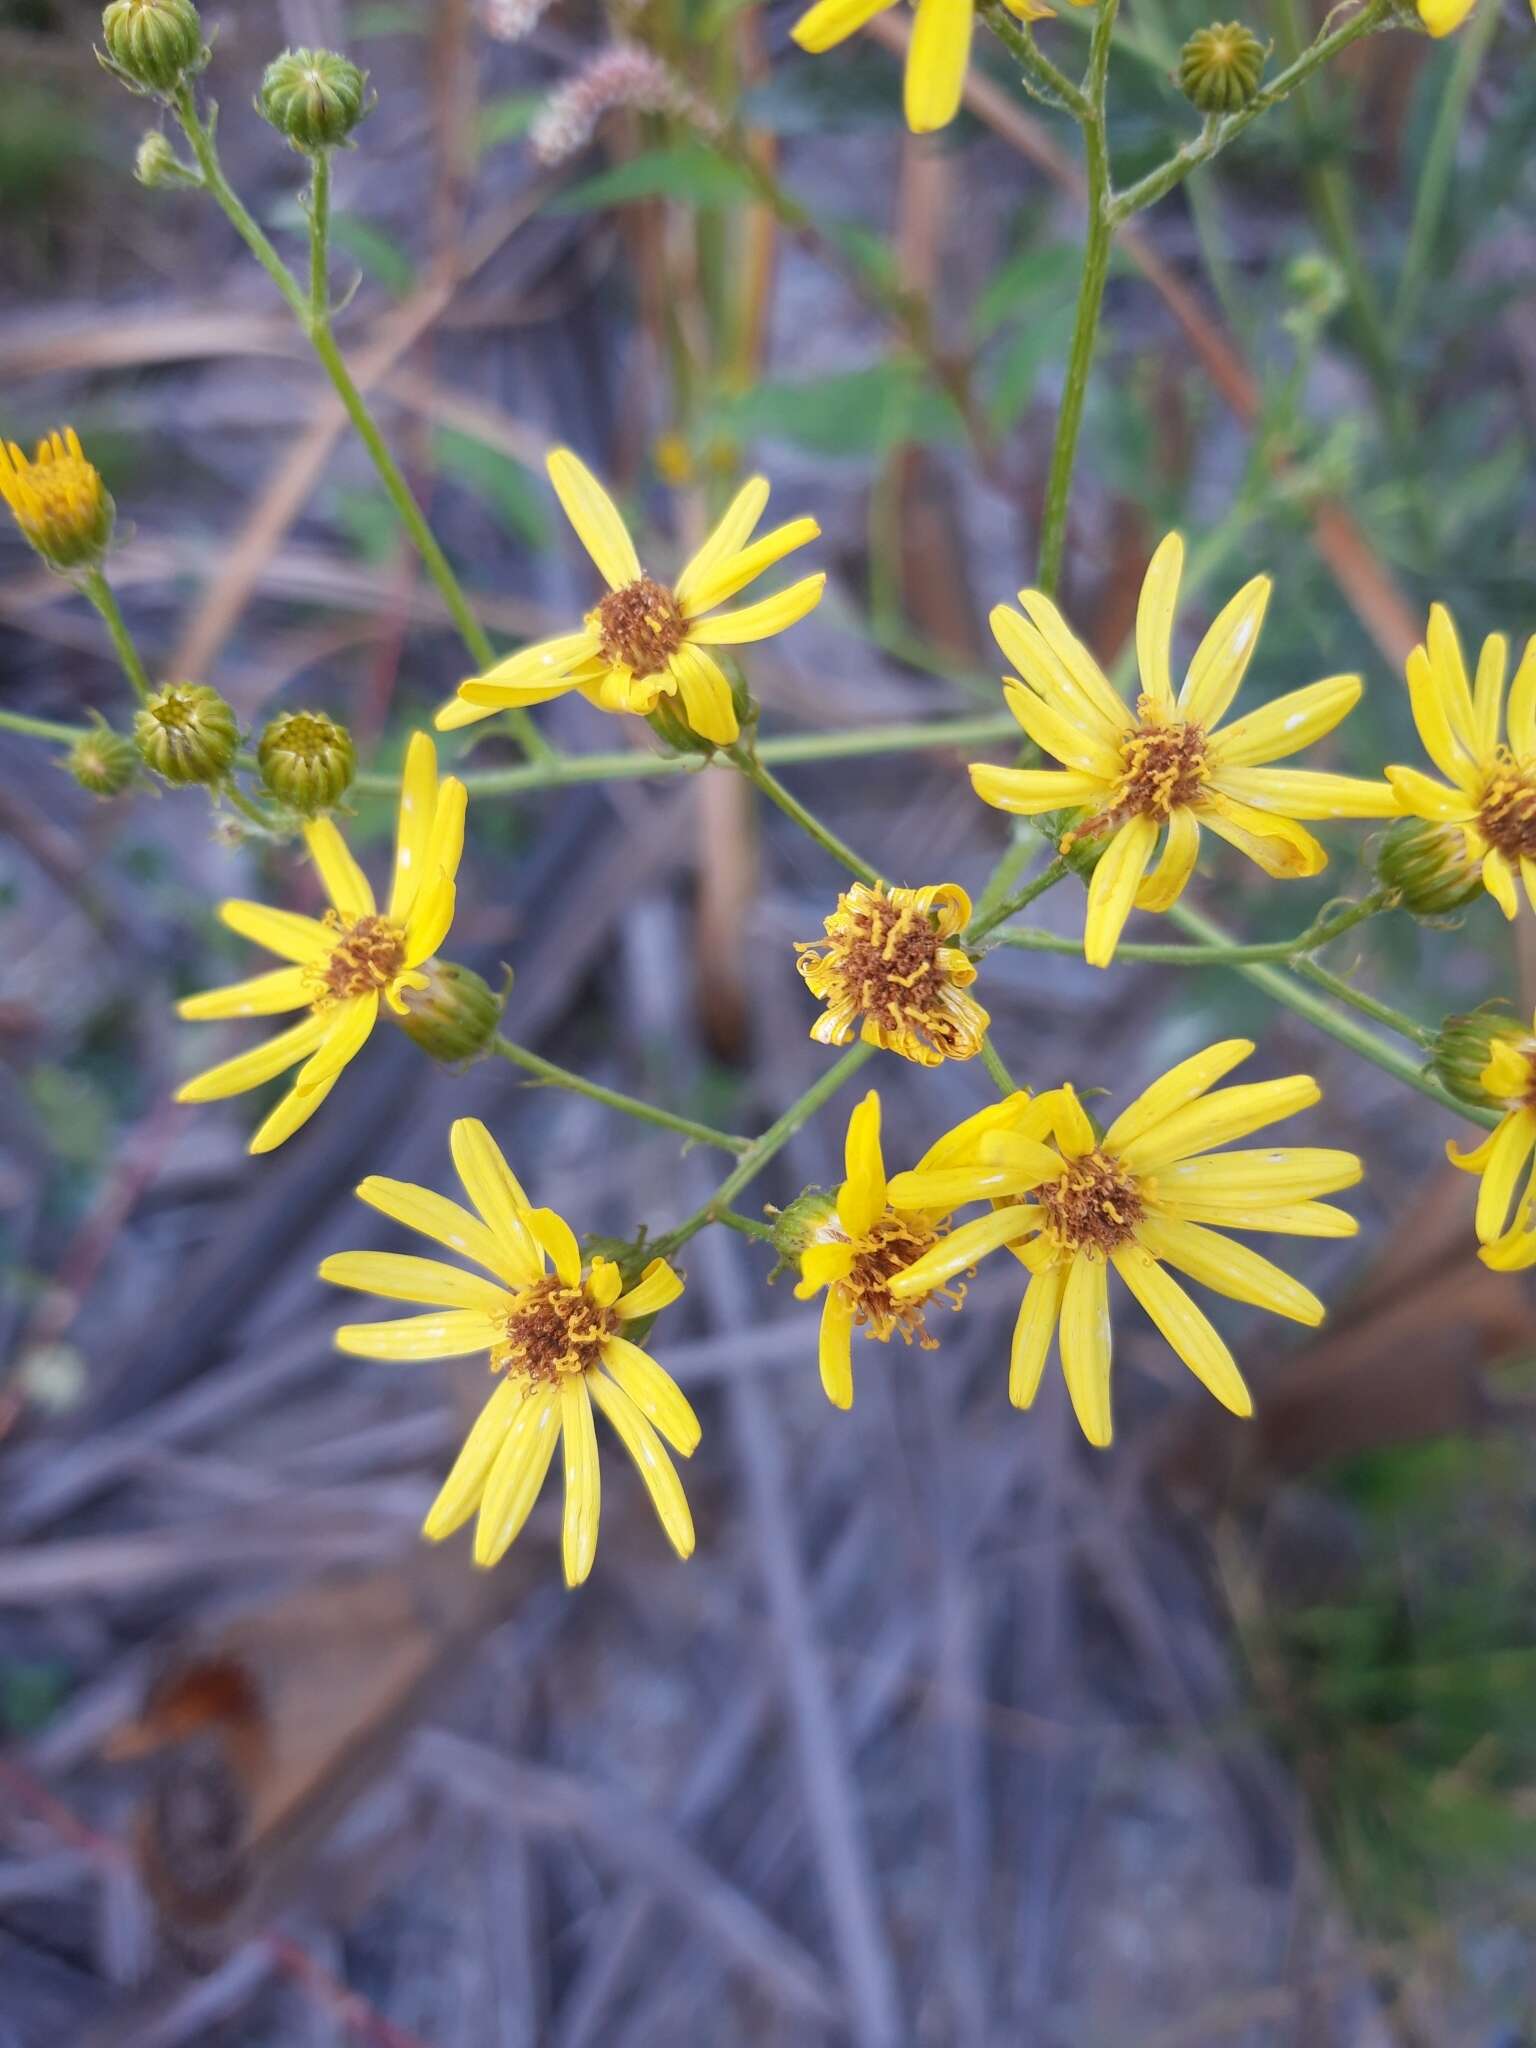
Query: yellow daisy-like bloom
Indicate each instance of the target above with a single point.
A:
(1443, 17)
(884, 959)
(58, 500)
(645, 640)
(1169, 767)
(863, 1242)
(555, 1335)
(1492, 792)
(936, 57)
(1510, 1079)
(344, 964)
(1140, 1199)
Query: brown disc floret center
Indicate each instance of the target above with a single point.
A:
(1507, 813)
(553, 1331)
(367, 955)
(640, 627)
(1162, 768)
(890, 960)
(891, 1244)
(1095, 1206)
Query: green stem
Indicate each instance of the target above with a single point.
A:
(1017, 38)
(1090, 303)
(992, 1060)
(765, 1148)
(745, 1226)
(316, 327)
(41, 728)
(99, 591)
(1223, 955)
(1216, 134)
(988, 920)
(1435, 171)
(762, 778)
(1284, 988)
(627, 1105)
(319, 236)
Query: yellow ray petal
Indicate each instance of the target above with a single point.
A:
(459, 712)
(446, 1222)
(1288, 1173)
(657, 1286)
(820, 1265)
(654, 1392)
(1281, 848)
(413, 824)
(1032, 1334)
(1218, 1118)
(1284, 727)
(1075, 662)
(347, 1027)
(831, 22)
(1309, 793)
(1288, 1219)
(1434, 719)
(583, 1480)
(1221, 660)
(1071, 1123)
(1075, 687)
(1187, 1328)
(284, 932)
(1507, 1155)
(1230, 1268)
(1423, 797)
(1488, 693)
(735, 571)
(1081, 747)
(964, 1247)
(862, 1196)
(532, 676)
(706, 695)
(1029, 792)
(835, 1350)
(401, 1276)
(497, 1193)
(1164, 884)
(1085, 1346)
(264, 995)
(1180, 1085)
(1019, 1114)
(431, 920)
(595, 517)
(760, 621)
(290, 1115)
(1112, 888)
(462, 1490)
(951, 1187)
(518, 1474)
(1522, 703)
(450, 1333)
(1440, 17)
(651, 1461)
(1155, 610)
(731, 534)
(345, 882)
(261, 1063)
(445, 841)
(1443, 647)
(1499, 881)
(559, 1240)
(936, 60)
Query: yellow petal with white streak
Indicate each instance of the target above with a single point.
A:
(413, 824)
(1232, 1269)
(284, 932)
(1085, 1347)
(651, 1461)
(1032, 1334)
(1221, 660)
(264, 995)
(1113, 886)
(1284, 727)
(1180, 1085)
(583, 1480)
(450, 1333)
(732, 532)
(654, 1392)
(760, 621)
(401, 1276)
(1155, 609)
(446, 1222)
(599, 527)
(1187, 1328)
(462, 1490)
(345, 882)
(1217, 1119)
(518, 1474)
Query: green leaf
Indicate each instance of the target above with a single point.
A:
(1034, 279)
(851, 412)
(505, 119)
(378, 255)
(499, 482)
(386, 19)
(690, 171)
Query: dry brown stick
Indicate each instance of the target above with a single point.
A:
(1365, 583)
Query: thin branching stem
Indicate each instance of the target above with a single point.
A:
(99, 591)
(628, 1105)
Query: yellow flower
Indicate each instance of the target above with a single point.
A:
(556, 1337)
(936, 57)
(1168, 767)
(884, 959)
(1139, 1199)
(58, 500)
(863, 1242)
(341, 965)
(1510, 1080)
(1442, 17)
(645, 640)
(1493, 782)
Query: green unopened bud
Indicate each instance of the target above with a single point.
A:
(1462, 1048)
(157, 165)
(455, 1016)
(1220, 67)
(102, 761)
(670, 724)
(153, 46)
(1080, 848)
(306, 760)
(187, 734)
(314, 97)
(1428, 866)
(810, 1219)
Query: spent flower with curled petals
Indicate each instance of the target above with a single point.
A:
(1141, 1199)
(1508, 1079)
(645, 640)
(344, 966)
(554, 1333)
(1169, 767)
(884, 960)
(1485, 750)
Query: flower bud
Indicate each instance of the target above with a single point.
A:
(102, 761)
(1463, 1046)
(1220, 67)
(153, 46)
(1428, 866)
(668, 720)
(306, 760)
(157, 165)
(455, 1016)
(187, 734)
(1080, 849)
(58, 500)
(809, 1219)
(314, 97)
